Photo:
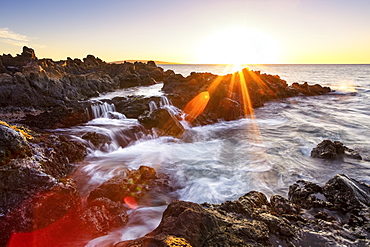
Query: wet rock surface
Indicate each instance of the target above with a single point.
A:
(133, 184)
(328, 149)
(336, 214)
(163, 121)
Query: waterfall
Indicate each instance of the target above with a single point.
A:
(105, 110)
(152, 106)
(165, 103)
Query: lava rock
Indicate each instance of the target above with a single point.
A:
(26, 81)
(333, 150)
(163, 121)
(234, 95)
(136, 184)
(101, 215)
(252, 220)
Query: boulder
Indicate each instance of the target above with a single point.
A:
(333, 150)
(162, 120)
(101, 215)
(133, 184)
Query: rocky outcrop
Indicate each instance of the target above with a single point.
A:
(44, 84)
(43, 89)
(333, 150)
(335, 214)
(235, 95)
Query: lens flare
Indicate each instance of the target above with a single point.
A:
(196, 106)
(131, 202)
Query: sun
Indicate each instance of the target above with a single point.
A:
(238, 46)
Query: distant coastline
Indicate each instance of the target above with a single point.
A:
(143, 61)
(224, 64)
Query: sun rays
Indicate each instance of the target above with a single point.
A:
(231, 95)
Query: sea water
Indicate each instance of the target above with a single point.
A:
(224, 161)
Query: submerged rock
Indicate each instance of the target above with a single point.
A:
(330, 215)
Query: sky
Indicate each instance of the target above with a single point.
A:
(190, 31)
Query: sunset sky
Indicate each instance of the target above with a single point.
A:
(190, 31)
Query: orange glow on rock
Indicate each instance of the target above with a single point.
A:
(131, 202)
(196, 106)
(60, 233)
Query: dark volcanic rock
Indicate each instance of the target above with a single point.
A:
(336, 214)
(101, 215)
(163, 121)
(26, 81)
(135, 184)
(333, 150)
(233, 96)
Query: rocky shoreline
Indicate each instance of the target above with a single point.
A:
(40, 202)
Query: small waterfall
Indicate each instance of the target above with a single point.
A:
(152, 106)
(164, 103)
(105, 110)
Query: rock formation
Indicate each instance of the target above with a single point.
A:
(336, 214)
(333, 150)
(30, 86)
(47, 94)
(234, 95)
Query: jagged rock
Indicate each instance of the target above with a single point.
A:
(132, 183)
(101, 215)
(58, 117)
(254, 221)
(57, 153)
(333, 150)
(96, 139)
(347, 194)
(28, 53)
(26, 81)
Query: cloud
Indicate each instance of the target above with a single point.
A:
(12, 38)
(9, 37)
(6, 33)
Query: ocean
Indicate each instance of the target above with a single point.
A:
(224, 161)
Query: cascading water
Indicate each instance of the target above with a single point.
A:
(104, 110)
